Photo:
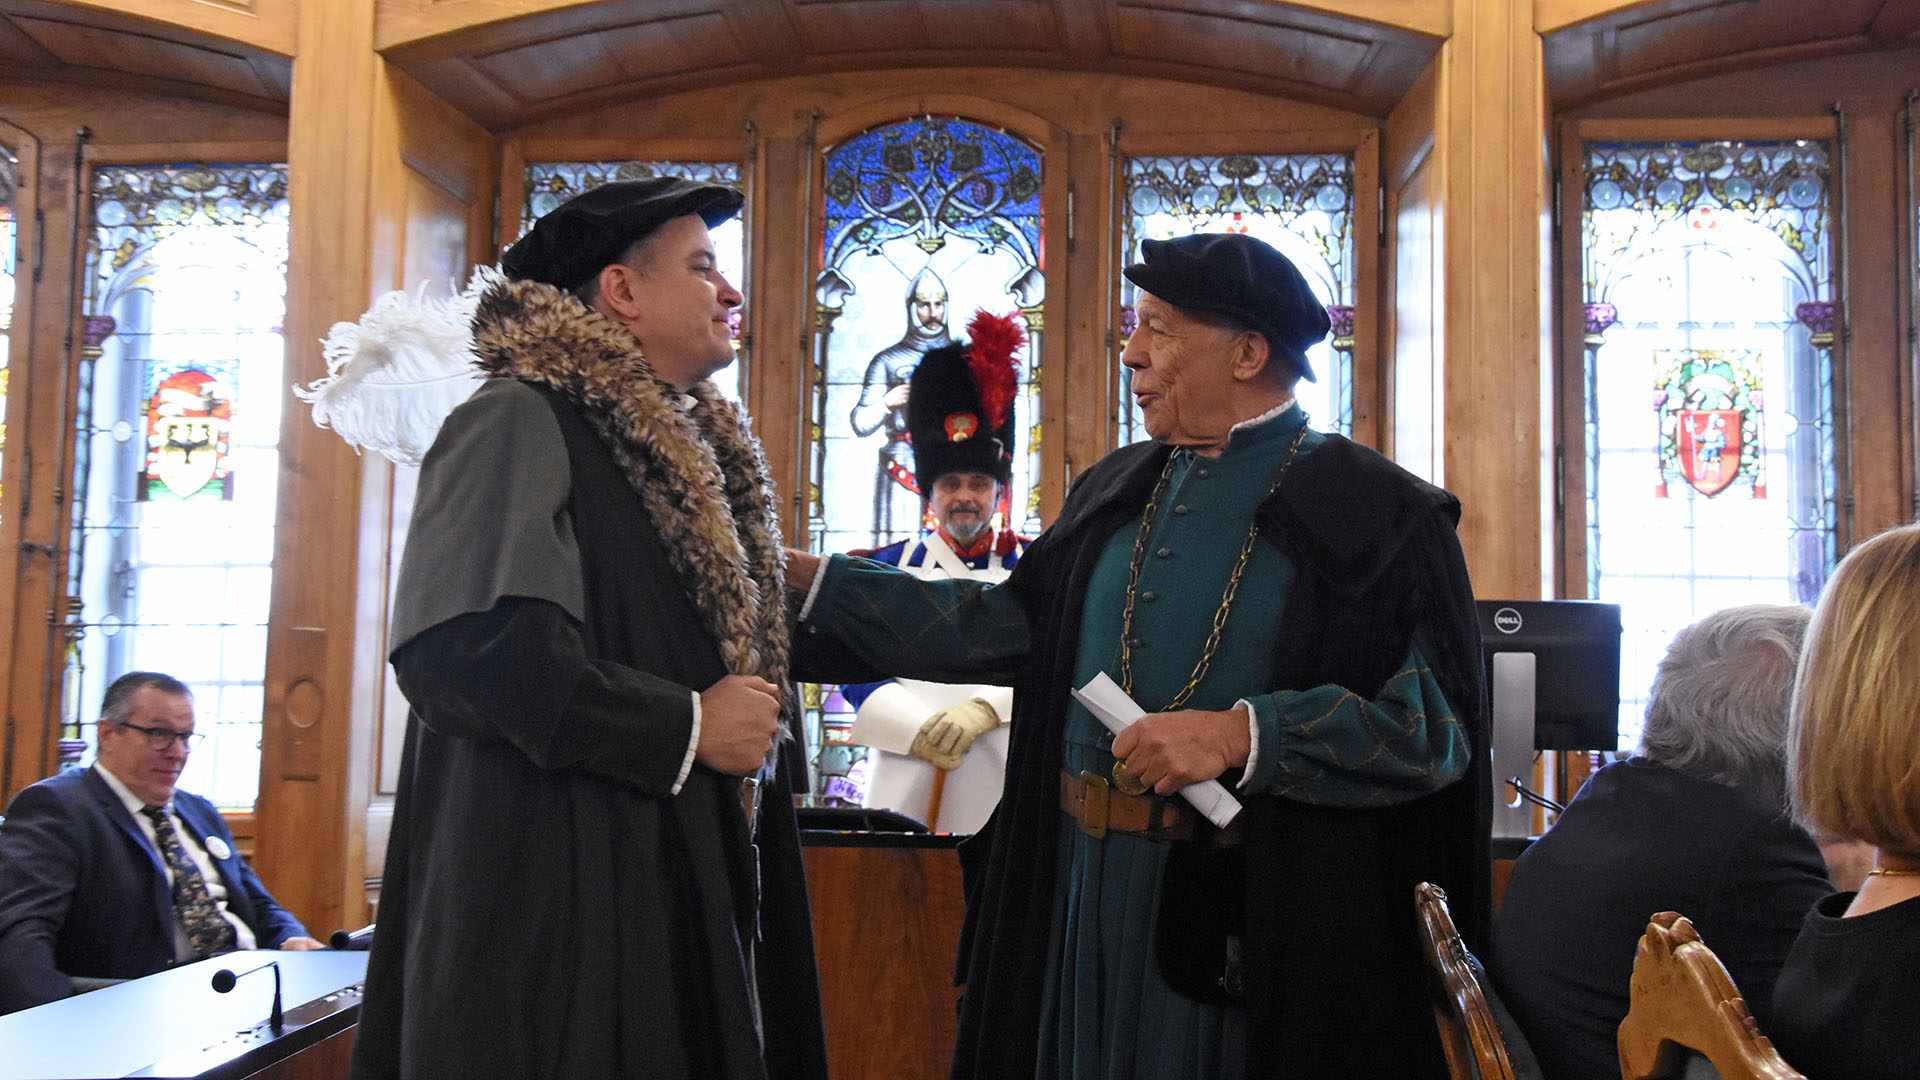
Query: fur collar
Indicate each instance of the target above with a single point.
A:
(699, 472)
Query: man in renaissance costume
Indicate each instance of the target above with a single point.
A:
(1292, 612)
(589, 627)
(940, 749)
(885, 389)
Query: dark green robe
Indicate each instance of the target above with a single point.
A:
(1378, 609)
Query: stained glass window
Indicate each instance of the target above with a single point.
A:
(550, 183)
(1302, 204)
(9, 270)
(923, 222)
(1711, 459)
(172, 561)
(926, 221)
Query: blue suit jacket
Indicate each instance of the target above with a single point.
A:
(83, 892)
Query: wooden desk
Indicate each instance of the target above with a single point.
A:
(173, 1024)
(887, 910)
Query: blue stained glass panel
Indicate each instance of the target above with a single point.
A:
(1302, 204)
(550, 183)
(925, 221)
(1709, 310)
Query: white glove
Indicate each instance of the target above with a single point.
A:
(947, 735)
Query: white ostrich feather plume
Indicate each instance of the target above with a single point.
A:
(393, 377)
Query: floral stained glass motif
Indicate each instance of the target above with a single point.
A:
(1708, 293)
(185, 293)
(9, 275)
(1302, 204)
(925, 221)
(550, 183)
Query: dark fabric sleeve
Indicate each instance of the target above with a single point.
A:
(39, 871)
(519, 672)
(871, 621)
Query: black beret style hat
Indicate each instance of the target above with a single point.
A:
(588, 232)
(1237, 276)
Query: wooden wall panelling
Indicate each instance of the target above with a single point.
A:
(432, 211)
(1496, 117)
(265, 24)
(1086, 387)
(20, 743)
(1570, 378)
(318, 738)
(124, 126)
(1413, 351)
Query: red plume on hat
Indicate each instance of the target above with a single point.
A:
(994, 339)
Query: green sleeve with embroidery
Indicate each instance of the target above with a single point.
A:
(870, 620)
(1329, 746)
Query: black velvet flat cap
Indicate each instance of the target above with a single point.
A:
(1242, 278)
(587, 233)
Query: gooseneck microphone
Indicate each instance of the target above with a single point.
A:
(224, 980)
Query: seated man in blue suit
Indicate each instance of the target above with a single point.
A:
(112, 873)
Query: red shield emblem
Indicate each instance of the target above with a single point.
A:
(1709, 447)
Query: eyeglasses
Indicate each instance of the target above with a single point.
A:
(159, 738)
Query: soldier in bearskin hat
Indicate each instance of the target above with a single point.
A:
(940, 748)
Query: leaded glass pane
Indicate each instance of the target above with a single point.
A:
(9, 256)
(550, 183)
(1302, 204)
(1711, 461)
(177, 473)
(924, 222)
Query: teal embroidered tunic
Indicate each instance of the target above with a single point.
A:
(1111, 1015)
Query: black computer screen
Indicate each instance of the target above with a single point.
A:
(1576, 648)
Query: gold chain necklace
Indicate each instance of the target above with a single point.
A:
(1226, 599)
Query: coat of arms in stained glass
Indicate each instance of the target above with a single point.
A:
(550, 183)
(1709, 404)
(924, 221)
(1302, 204)
(1707, 293)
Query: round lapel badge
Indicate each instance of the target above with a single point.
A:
(218, 848)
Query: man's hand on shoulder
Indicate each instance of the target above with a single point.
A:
(299, 944)
(1167, 751)
(739, 717)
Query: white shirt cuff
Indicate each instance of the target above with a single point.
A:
(1253, 743)
(693, 741)
(813, 591)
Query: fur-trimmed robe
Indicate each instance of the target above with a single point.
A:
(585, 554)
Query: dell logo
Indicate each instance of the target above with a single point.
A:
(1507, 621)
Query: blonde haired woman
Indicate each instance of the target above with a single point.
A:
(1848, 1000)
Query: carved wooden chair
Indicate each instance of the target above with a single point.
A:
(1683, 1007)
(1480, 1041)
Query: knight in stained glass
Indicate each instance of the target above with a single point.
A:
(933, 216)
(1709, 403)
(883, 401)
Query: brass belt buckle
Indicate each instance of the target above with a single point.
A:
(1094, 803)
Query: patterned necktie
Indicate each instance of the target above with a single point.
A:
(208, 932)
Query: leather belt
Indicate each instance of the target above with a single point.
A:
(1100, 808)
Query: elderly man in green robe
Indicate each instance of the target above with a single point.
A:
(1292, 612)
